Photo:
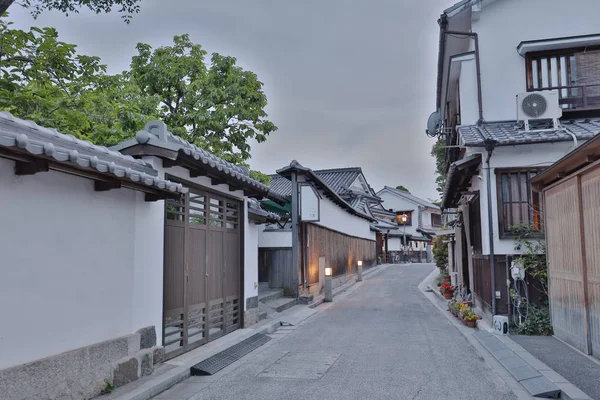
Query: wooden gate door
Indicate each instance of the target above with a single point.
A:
(202, 275)
(590, 195)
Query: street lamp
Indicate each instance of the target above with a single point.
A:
(404, 218)
(359, 271)
(328, 286)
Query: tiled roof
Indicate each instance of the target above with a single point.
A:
(255, 208)
(156, 134)
(511, 132)
(408, 196)
(29, 137)
(339, 179)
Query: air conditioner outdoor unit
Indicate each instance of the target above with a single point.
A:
(533, 106)
(500, 324)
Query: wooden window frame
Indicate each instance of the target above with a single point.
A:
(560, 86)
(503, 231)
(440, 219)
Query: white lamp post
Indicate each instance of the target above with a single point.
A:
(404, 218)
(328, 291)
(359, 271)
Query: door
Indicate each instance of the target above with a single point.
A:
(202, 270)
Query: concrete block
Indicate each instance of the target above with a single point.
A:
(126, 371)
(158, 355)
(134, 343)
(147, 337)
(76, 374)
(525, 372)
(251, 302)
(251, 317)
(146, 362)
(305, 298)
(541, 387)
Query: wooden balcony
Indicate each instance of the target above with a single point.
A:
(577, 97)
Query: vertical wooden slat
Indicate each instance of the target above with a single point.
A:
(569, 80)
(582, 249)
(528, 72)
(539, 73)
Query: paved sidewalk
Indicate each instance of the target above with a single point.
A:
(577, 368)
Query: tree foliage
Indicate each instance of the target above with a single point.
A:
(402, 188)
(438, 152)
(127, 8)
(219, 107)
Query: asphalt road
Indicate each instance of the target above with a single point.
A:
(385, 340)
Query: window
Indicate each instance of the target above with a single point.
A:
(574, 73)
(517, 203)
(408, 218)
(436, 220)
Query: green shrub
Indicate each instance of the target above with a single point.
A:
(537, 323)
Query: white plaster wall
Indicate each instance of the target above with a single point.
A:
(336, 218)
(469, 110)
(512, 157)
(250, 258)
(394, 244)
(501, 27)
(397, 203)
(148, 264)
(270, 238)
(71, 263)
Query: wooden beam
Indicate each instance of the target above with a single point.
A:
(234, 188)
(216, 181)
(149, 197)
(592, 158)
(30, 168)
(103, 186)
(561, 174)
(194, 173)
(168, 163)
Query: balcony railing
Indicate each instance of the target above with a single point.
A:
(577, 97)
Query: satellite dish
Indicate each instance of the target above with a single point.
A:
(433, 124)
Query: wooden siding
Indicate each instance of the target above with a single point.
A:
(590, 195)
(341, 252)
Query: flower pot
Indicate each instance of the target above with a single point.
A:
(447, 279)
(464, 321)
(472, 324)
(447, 295)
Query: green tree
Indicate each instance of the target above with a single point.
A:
(219, 107)
(127, 7)
(43, 79)
(438, 152)
(402, 188)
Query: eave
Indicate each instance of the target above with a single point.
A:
(458, 179)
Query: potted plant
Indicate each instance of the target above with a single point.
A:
(451, 305)
(465, 310)
(447, 290)
(471, 319)
(445, 277)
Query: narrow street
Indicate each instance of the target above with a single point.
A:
(384, 340)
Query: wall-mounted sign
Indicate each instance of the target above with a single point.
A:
(310, 207)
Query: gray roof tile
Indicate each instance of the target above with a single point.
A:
(156, 134)
(512, 132)
(409, 197)
(66, 149)
(337, 179)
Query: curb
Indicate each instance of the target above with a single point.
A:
(569, 391)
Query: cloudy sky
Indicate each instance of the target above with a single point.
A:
(349, 83)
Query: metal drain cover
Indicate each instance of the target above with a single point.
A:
(227, 357)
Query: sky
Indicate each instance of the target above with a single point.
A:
(349, 83)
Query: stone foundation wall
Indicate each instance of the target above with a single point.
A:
(252, 313)
(84, 373)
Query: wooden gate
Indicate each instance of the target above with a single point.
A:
(202, 270)
(573, 236)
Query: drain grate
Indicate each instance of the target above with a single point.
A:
(221, 360)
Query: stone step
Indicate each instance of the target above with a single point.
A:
(280, 304)
(269, 294)
(262, 315)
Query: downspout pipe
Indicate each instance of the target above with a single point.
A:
(490, 145)
(477, 68)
